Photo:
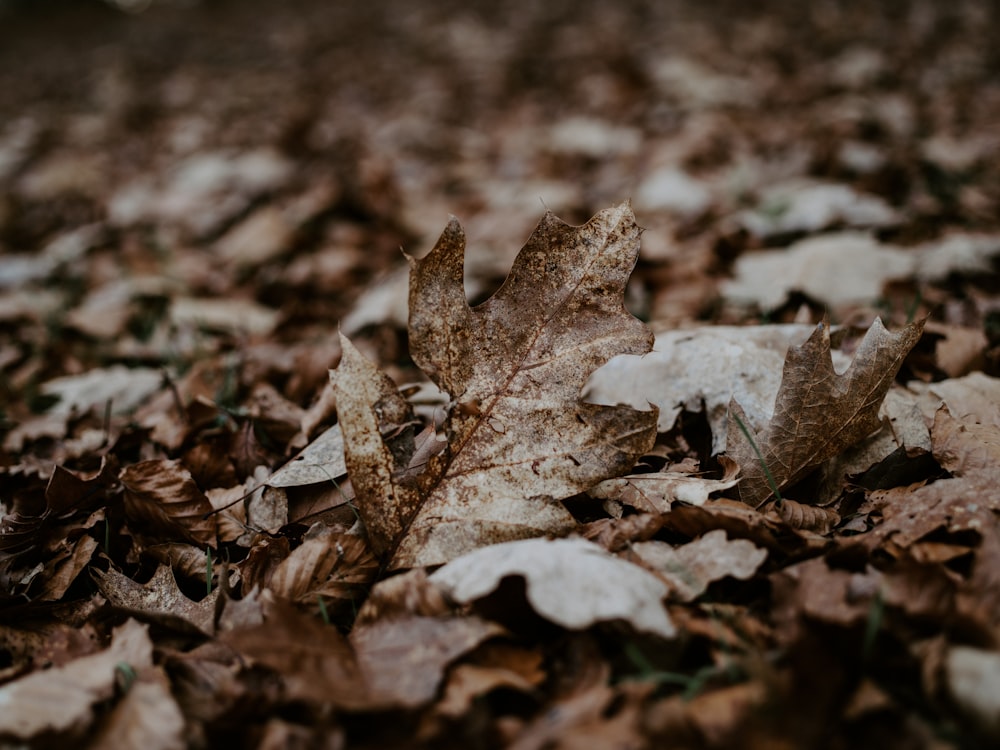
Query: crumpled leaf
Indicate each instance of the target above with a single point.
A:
(818, 413)
(163, 496)
(158, 600)
(571, 582)
(330, 563)
(690, 568)
(656, 491)
(519, 438)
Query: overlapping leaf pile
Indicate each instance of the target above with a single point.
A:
(522, 519)
(517, 457)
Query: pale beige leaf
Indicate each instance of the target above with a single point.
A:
(692, 567)
(62, 698)
(818, 413)
(571, 582)
(320, 461)
(654, 492)
(973, 678)
(519, 437)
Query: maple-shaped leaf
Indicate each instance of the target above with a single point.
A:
(158, 600)
(818, 412)
(519, 437)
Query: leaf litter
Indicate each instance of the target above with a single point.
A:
(205, 540)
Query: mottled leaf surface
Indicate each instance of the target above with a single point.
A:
(519, 438)
(818, 412)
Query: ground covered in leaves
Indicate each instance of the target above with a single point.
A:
(497, 526)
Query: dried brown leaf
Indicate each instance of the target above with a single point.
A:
(163, 498)
(818, 413)
(808, 517)
(315, 661)
(519, 437)
(62, 699)
(403, 660)
(329, 564)
(158, 600)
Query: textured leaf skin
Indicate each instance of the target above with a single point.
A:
(519, 437)
(818, 413)
(163, 496)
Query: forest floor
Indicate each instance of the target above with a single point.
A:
(197, 198)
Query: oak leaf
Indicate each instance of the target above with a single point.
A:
(519, 438)
(818, 412)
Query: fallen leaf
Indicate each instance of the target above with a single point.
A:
(158, 600)
(976, 395)
(702, 369)
(570, 582)
(147, 716)
(808, 206)
(329, 564)
(404, 660)
(818, 412)
(519, 437)
(162, 496)
(494, 665)
(315, 661)
(809, 517)
(834, 269)
(691, 567)
(122, 387)
(320, 461)
(62, 699)
(656, 491)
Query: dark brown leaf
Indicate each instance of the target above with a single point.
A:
(162, 497)
(158, 600)
(818, 413)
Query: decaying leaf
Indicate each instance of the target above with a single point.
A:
(162, 496)
(654, 492)
(330, 563)
(519, 437)
(571, 582)
(808, 517)
(158, 600)
(818, 412)
(693, 566)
